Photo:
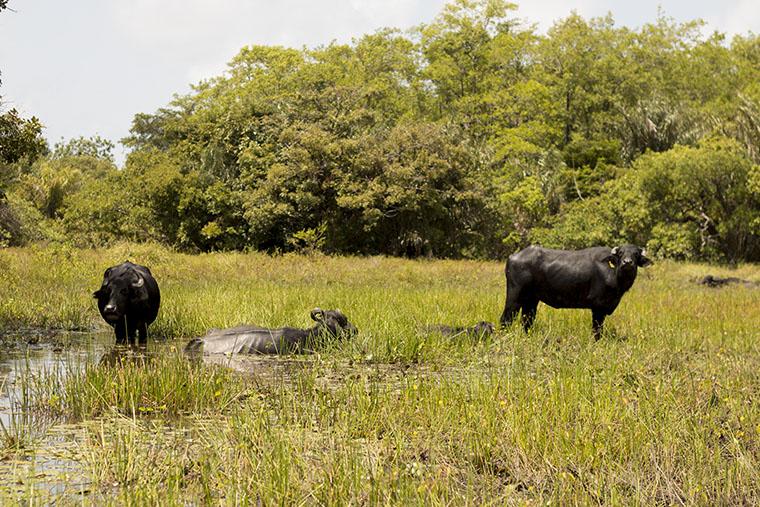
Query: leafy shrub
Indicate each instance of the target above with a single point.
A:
(686, 203)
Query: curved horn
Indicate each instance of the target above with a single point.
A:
(317, 314)
(615, 251)
(139, 283)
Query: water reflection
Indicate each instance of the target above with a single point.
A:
(122, 355)
(40, 353)
(36, 452)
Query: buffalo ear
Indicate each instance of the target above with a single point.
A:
(611, 261)
(317, 314)
(96, 294)
(644, 261)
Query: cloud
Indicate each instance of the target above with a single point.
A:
(205, 34)
(196, 24)
(176, 23)
(545, 13)
(742, 17)
(87, 67)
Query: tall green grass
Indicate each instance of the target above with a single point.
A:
(132, 384)
(663, 409)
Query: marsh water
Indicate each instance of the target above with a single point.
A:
(41, 454)
(43, 458)
(35, 352)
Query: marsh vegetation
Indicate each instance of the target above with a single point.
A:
(663, 409)
(468, 137)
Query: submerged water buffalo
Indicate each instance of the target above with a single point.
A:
(479, 330)
(128, 300)
(595, 278)
(284, 340)
(716, 282)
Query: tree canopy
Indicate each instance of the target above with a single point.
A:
(472, 135)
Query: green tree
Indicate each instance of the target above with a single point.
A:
(687, 203)
(50, 180)
(20, 139)
(703, 193)
(139, 203)
(418, 191)
(94, 147)
(471, 51)
(466, 136)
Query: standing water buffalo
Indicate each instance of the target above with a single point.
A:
(595, 278)
(284, 340)
(128, 300)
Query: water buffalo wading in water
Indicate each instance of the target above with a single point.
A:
(128, 300)
(284, 340)
(595, 278)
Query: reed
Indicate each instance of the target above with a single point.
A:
(663, 409)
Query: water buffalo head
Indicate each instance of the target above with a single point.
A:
(628, 258)
(334, 322)
(121, 289)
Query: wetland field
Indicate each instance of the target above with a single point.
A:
(664, 409)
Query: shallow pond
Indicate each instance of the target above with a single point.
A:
(44, 459)
(32, 352)
(39, 457)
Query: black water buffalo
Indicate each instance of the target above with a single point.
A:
(284, 340)
(716, 282)
(479, 330)
(595, 278)
(128, 300)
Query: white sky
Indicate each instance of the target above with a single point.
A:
(86, 67)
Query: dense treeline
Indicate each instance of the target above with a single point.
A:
(472, 135)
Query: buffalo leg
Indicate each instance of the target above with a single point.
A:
(510, 311)
(512, 305)
(597, 320)
(120, 328)
(142, 333)
(528, 314)
(131, 331)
